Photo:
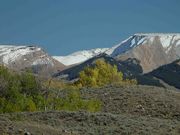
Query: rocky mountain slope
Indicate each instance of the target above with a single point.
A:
(23, 57)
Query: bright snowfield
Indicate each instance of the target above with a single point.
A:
(79, 56)
(167, 40)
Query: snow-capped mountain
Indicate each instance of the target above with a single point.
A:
(166, 40)
(152, 50)
(21, 57)
(80, 56)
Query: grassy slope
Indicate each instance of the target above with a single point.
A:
(138, 100)
(125, 110)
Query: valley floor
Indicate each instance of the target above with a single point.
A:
(125, 110)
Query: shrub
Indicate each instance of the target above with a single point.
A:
(74, 102)
(54, 84)
(23, 92)
(30, 105)
(30, 84)
(93, 105)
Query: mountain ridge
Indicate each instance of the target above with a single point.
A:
(167, 41)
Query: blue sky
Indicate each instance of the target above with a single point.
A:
(64, 26)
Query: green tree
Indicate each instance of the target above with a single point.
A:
(101, 74)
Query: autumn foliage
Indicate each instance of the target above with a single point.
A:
(102, 74)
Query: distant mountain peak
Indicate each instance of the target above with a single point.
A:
(33, 57)
(165, 39)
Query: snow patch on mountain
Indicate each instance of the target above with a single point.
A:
(79, 56)
(165, 41)
(12, 53)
